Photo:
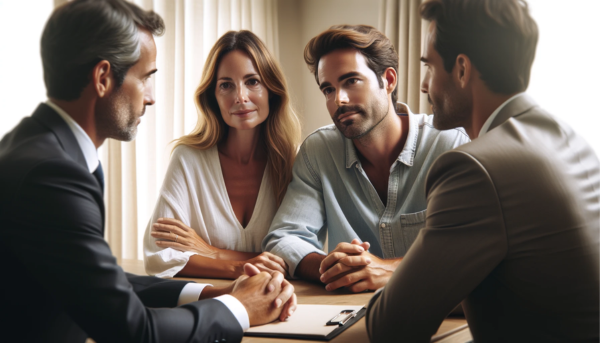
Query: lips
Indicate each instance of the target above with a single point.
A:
(242, 112)
(346, 115)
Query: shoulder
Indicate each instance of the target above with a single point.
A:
(186, 157)
(186, 152)
(324, 137)
(31, 154)
(448, 139)
(456, 166)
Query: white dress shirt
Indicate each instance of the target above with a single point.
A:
(191, 291)
(490, 120)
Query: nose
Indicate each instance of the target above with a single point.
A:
(425, 85)
(341, 97)
(149, 94)
(242, 95)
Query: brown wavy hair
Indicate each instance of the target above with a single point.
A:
(377, 49)
(281, 129)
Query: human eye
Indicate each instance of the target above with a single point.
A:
(352, 81)
(252, 82)
(326, 91)
(225, 86)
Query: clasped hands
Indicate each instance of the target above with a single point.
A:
(266, 296)
(350, 265)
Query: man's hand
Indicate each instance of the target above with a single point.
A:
(351, 265)
(263, 295)
(290, 306)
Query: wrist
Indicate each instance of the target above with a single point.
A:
(213, 292)
(237, 268)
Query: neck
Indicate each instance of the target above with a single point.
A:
(484, 104)
(243, 146)
(82, 112)
(383, 144)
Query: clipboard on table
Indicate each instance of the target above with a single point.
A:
(314, 322)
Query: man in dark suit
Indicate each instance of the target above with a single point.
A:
(512, 228)
(61, 282)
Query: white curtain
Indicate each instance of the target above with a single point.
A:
(400, 21)
(135, 170)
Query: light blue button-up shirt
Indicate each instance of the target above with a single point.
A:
(331, 193)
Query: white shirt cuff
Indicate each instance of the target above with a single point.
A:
(237, 308)
(191, 292)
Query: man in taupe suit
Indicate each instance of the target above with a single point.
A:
(512, 228)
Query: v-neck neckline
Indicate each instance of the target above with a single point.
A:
(224, 189)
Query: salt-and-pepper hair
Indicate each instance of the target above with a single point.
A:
(81, 33)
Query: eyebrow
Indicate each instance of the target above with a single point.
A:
(230, 79)
(340, 79)
(151, 72)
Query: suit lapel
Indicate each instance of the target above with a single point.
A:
(53, 121)
(514, 108)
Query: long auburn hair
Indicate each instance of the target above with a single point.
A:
(281, 129)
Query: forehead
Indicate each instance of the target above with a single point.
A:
(147, 52)
(429, 40)
(235, 63)
(340, 62)
(147, 45)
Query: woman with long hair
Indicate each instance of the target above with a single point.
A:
(227, 178)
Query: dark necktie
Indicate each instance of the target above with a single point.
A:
(99, 175)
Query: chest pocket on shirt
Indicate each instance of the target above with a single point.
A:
(411, 224)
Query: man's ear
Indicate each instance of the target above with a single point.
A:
(390, 79)
(463, 69)
(102, 78)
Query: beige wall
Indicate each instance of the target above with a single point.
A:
(301, 20)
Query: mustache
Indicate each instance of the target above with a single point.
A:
(348, 108)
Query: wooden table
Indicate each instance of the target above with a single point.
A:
(452, 330)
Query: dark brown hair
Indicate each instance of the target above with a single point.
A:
(82, 33)
(377, 49)
(498, 36)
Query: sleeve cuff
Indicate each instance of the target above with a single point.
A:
(191, 292)
(238, 310)
(293, 253)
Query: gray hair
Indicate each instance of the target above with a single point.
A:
(82, 33)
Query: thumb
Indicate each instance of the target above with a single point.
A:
(250, 269)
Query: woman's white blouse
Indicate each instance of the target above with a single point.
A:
(194, 192)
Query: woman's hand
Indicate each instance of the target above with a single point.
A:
(267, 262)
(172, 233)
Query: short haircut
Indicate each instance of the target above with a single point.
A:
(82, 33)
(377, 49)
(499, 37)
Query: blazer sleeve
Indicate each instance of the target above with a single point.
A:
(54, 231)
(463, 241)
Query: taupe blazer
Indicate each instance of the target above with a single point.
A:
(512, 231)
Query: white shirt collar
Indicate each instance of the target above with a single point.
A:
(490, 120)
(85, 142)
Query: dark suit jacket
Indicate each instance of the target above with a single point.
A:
(60, 281)
(512, 231)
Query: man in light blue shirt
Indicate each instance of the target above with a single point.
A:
(362, 179)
